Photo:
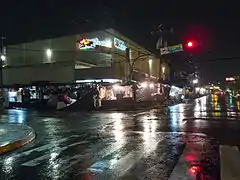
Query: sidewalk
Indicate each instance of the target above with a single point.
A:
(13, 136)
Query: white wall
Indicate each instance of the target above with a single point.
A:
(32, 53)
(49, 72)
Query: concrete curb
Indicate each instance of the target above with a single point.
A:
(17, 144)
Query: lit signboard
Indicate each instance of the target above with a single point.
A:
(92, 43)
(119, 44)
(230, 79)
(84, 43)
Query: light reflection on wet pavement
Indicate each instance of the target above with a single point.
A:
(179, 142)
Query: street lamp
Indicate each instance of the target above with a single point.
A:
(163, 69)
(195, 81)
(49, 53)
(3, 58)
(150, 61)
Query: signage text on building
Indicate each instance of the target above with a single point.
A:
(92, 43)
(119, 44)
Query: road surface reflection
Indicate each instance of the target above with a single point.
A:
(151, 144)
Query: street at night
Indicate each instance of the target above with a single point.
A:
(185, 141)
(119, 91)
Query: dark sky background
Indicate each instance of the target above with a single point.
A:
(215, 24)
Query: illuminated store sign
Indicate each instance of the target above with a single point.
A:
(119, 44)
(92, 43)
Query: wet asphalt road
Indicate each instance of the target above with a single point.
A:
(125, 145)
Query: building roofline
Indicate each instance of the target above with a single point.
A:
(110, 31)
(117, 33)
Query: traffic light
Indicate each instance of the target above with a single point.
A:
(190, 44)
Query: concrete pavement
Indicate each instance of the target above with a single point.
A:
(13, 136)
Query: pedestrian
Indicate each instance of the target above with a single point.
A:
(95, 96)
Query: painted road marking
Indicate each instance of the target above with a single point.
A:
(101, 154)
(140, 113)
(56, 152)
(229, 158)
(122, 165)
(44, 147)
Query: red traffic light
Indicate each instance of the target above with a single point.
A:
(190, 44)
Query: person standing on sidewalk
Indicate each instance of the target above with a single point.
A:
(134, 91)
(96, 97)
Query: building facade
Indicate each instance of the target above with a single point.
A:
(96, 55)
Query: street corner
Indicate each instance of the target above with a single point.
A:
(13, 136)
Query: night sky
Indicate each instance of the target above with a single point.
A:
(215, 24)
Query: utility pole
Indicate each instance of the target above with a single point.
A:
(2, 58)
(161, 33)
(128, 66)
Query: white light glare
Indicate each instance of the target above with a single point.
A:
(163, 69)
(99, 80)
(150, 61)
(197, 89)
(151, 85)
(49, 52)
(117, 87)
(108, 43)
(202, 90)
(195, 81)
(144, 84)
(3, 58)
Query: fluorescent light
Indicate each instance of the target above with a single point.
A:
(99, 80)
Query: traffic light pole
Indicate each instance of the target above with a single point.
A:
(2, 57)
(161, 42)
(1, 62)
(128, 74)
(161, 61)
